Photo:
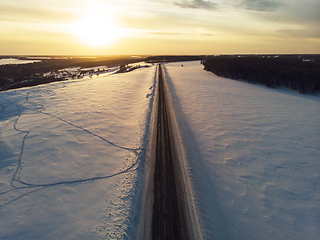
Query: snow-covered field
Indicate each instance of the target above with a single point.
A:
(72, 156)
(5, 61)
(252, 155)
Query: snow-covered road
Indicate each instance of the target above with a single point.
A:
(72, 155)
(252, 155)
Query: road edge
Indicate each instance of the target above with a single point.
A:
(186, 205)
(144, 226)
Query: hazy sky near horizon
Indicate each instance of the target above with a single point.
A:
(110, 27)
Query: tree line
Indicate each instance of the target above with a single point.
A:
(31, 74)
(298, 72)
(174, 58)
(23, 75)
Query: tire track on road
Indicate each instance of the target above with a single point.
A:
(167, 221)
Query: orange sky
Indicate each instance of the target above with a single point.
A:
(109, 27)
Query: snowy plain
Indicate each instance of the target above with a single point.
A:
(72, 156)
(251, 153)
(5, 61)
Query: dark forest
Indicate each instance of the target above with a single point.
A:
(298, 72)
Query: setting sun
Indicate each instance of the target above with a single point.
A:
(97, 29)
(120, 27)
(159, 119)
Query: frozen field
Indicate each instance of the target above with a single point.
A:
(252, 155)
(72, 155)
(16, 61)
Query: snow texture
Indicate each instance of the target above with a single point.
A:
(252, 155)
(72, 157)
(6, 61)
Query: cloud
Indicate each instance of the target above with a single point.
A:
(261, 5)
(182, 33)
(308, 32)
(166, 33)
(197, 4)
(27, 14)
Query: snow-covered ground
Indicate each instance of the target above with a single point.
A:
(252, 155)
(80, 73)
(72, 156)
(5, 61)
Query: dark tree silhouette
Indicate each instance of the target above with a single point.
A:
(299, 72)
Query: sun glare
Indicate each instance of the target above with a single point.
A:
(97, 29)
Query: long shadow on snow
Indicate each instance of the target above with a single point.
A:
(213, 222)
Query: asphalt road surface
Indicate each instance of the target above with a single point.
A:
(166, 222)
